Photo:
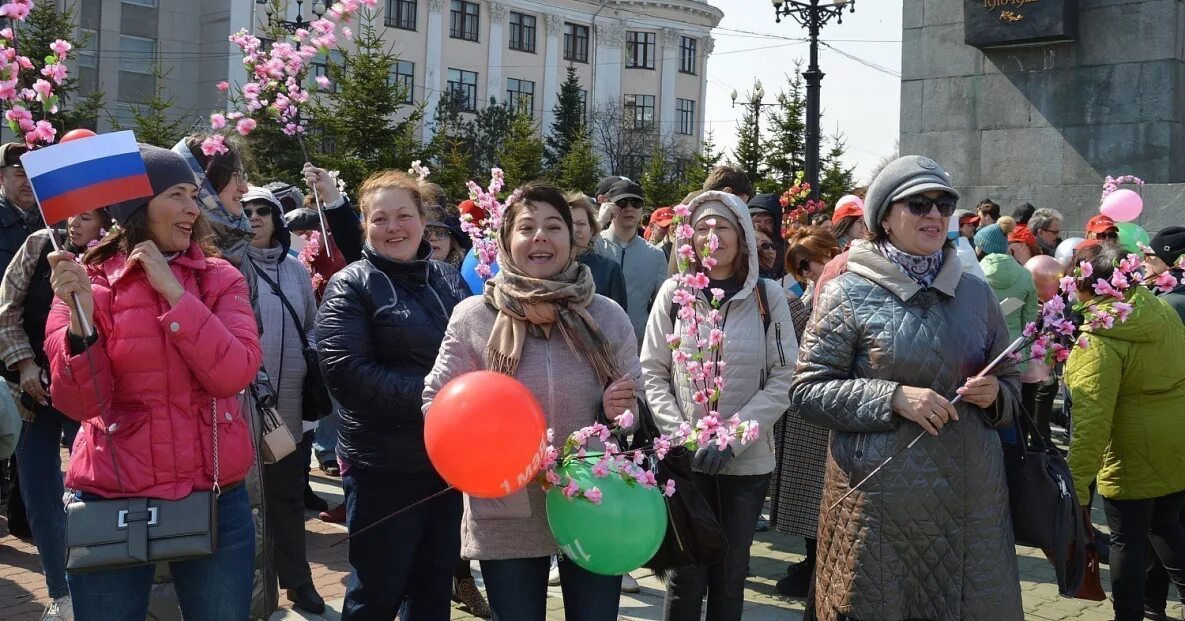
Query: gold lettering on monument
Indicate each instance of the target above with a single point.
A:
(992, 5)
(1009, 16)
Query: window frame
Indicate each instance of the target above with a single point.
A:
(469, 90)
(640, 41)
(148, 62)
(576, 40)
(636, 107)
(460, 20)
(684, 116)
(688, 55)
(519, 32)
(402, 14)
(406, 79)
(515, 96)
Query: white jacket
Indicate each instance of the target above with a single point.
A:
(758, 367)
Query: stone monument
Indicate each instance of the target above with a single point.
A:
(1039, 100)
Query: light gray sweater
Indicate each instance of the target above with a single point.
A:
(567, 389)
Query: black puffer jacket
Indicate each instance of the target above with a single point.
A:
(378, 331)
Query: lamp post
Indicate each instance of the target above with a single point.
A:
(812, 15)
(296, 24)
(755, 97)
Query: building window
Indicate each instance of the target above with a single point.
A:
(88, 56)
(151, 3)
(320, 67)
(401, 14)
(463, 86)
(685, 113)
(687, 61)
(464, 20)
(136, 54)
(639, 50)
(575, 42)
(403, 73)
(584, 104)
(634, 165)
(520, 94)
(639, 111)
(522, 32)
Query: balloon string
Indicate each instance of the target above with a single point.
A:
(396, 514)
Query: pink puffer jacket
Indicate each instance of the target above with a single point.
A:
(156, 379)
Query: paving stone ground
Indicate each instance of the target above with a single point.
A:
(23, 595)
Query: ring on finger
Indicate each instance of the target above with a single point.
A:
(932, 417)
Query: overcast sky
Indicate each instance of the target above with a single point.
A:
(863, 101)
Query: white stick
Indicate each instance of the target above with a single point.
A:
(87, 329)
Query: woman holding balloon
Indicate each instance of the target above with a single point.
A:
(379, 328)
(538, 321)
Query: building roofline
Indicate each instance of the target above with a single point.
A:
(697, 7)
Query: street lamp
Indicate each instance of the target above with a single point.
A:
(812, 15)
(755, 97)
(299, 22)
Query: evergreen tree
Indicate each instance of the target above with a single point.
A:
(521, 155)
(749, 153)
(359, 115)
(488, 133)
(659, 182)
(702, 163)
(151, 118)
(581, 168)
(451, 151)
(45, 24)
(785, 149)
(569, 120)
(835, 180)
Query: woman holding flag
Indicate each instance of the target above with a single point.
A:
(155, 380)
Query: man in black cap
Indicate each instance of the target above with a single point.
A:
(19, 215)
(1164, 256)
(644, 266)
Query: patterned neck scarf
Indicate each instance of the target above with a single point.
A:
(923, 270)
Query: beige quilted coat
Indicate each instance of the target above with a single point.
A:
(930, 536)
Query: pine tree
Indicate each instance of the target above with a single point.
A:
(521, 155)
(488, 133)
(702, 164)
(659, 182)
(45, 24)
(785, 148)
(568, 120)
(151, 118)
(581, 168)
(450, 150)
(749, 153)
(835, 180)
(360, 114)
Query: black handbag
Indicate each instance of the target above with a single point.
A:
(315, 402)
(1045, 510)
(128, 532)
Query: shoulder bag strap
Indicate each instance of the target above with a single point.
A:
(217, 489)
(283, 300)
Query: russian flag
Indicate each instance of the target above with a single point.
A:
(74, 177)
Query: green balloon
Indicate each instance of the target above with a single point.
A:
(1131, 235)
(614, 537)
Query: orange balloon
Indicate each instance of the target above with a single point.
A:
(77, 134)
(1046, 271)
(485, 434)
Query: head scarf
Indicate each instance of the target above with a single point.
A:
(524, 303)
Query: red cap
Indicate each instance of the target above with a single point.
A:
(846, 210)
(969, 218)
(1023, 235)
(477, 213)
(1100, 224)
(662, 216)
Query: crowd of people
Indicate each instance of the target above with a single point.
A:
(171, 336)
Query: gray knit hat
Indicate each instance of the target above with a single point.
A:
(902, 178)
(991, 240)
(165, 170)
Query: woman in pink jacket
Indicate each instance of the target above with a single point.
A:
(174, 342)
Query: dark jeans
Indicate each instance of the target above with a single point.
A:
(211, 588)
(1134, 525)
(737, 501)
(411, 556)
(517, 590)
(325, 437)
(39, 468)
(283, 488)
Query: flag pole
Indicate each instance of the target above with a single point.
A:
(87, 328)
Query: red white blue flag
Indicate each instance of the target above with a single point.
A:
(74, 177)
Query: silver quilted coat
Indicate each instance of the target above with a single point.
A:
(930, 536)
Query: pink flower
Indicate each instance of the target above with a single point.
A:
(1087, 269)
(682, 297)
(60, 47)
(751, 432)
(1083, 342)
(1165, 282)
(223, 86)
(17, 114)
(43, 89)
(682, 211)
(668, 490)
(1068, 284)
(625, 420)
(698, 281)
(1123, 310)
(553, 478)
(601, 469)
(15, 10)
(217, 121)
(55, 72)
(646, 479)
(686, 252)
(245, 125)
(323, 82)
(6, 33)
(1102, 287)
(214, 144)
(572, 489)
(716, 337)
(593, 495)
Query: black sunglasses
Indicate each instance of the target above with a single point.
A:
(919, 205)
(1107, 235)
(766, 246)
(263, 211)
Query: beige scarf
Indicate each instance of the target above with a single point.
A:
(562, 300)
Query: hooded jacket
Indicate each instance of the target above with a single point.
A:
(156, 380)
(930, 536)
(1009, 279)
(1129, 396)
(759, 363)
(772, 205)
(378, 332)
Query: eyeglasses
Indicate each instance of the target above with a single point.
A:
(1107, 235)
(434, 234)
(263, 211)
(765, 246)
(919, 205)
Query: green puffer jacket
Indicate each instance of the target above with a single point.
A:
(1129, 396)
(1010, 279)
